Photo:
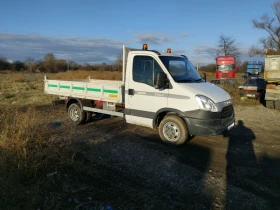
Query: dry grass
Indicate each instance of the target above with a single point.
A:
(29, 150)
(25, 89)
(34, 154)
(78, 74)
(23, 94)
(40, 167)
(105, 75)
(236, 99)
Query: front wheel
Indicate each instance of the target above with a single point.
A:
(173, 130)
(76, 114)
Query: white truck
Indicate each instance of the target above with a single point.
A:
(158, 90)
(272, 77)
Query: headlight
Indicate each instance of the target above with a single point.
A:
(206, 103)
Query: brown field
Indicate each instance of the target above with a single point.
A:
(47, 163)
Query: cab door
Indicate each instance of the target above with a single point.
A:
(142, 99)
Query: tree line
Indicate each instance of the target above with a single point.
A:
(242, 67)
(52, 65)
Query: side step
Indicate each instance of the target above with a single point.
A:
(119, 114)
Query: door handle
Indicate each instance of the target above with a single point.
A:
(131, 92)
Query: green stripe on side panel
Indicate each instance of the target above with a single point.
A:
(111, 91)
(51, 85)
(94, 89)
(78, 88)
(65, 86)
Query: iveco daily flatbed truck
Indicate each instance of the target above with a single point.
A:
(158, 90)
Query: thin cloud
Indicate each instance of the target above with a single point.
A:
(202, 49)
(153, 38)
(183, 35)
(178, 51)
(79, 49)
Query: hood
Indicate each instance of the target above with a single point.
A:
(215, 93)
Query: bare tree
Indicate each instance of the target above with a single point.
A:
(30, 64)
(72, 65)
(49, 62)
(208, 68)
(119, 62)
(18, 66)
(4, 64)
(272, 26)
(227, 46)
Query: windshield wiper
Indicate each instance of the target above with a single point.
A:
(199, 80)
(185, 80)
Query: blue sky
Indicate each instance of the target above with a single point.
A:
(94, 31)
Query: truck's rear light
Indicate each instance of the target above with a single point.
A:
(168, 50)
(98, 103)
(270, 87)
(250, 91)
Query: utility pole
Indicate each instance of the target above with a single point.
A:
(68, 64)
(196, 60)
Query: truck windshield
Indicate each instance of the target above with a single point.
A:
(181, 69)
(225, 68)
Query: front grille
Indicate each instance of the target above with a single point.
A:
(227, 111)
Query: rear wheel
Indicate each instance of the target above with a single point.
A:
(173, 130)
(76, 114)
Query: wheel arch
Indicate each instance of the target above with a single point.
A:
(160, 114)
(81, 102)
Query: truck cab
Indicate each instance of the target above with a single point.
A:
(161, 85)
(225, 67)
(254, 67)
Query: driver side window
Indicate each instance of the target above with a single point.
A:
(145, 69)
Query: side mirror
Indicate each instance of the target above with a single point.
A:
(204, 76)
(235, 68)
(161, 80)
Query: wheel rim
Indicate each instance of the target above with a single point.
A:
(171, 131)
(74, 114)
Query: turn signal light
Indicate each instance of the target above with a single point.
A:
(145, 47)
(168, 50)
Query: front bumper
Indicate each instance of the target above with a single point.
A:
(209, 124)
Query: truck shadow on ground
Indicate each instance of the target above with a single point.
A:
(249, 178)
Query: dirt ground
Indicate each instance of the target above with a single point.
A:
(133, 169)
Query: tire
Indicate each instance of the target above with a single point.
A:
(173, 130)
(88, 117)
(76, 114)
